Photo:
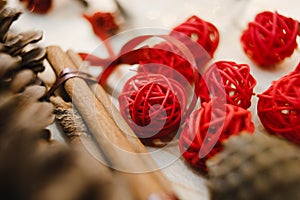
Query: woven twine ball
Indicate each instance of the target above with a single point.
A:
(208, 127)
(279, 107)
(270, 38)
(165, 59)
(200, 31)
(153, 105)
(230, 80)
(198, 39)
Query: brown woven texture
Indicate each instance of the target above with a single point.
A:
(255, 167)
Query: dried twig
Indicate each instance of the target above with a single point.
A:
(108, 135)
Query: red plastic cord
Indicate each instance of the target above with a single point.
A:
(279, 107)
(153, 105)
(270, 38)
(208, 127)
(229, 80)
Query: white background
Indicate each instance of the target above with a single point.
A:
(65, 26)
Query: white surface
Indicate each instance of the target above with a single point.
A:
(66, 27)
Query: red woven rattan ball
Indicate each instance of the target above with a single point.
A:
(168, 63)
(230, 80)
(208, 127)
(203, 32)
(279, 108)
(270, 38)
(152, 105)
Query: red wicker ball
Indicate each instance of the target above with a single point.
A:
(236, 85)
(168, 63)
(270, 38)
(208, 127)
(203, 32)
(279, 108)
(153, 105)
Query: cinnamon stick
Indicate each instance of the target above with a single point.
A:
(77, 135)
(134, 141)
(108, 135)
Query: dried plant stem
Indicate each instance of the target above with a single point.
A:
(134, 141)
(110, 138)
(76, 132)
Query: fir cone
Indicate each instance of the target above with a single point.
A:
(20, 90)
(255, 167)
(21, 46)
(32, 166)
(2, 3)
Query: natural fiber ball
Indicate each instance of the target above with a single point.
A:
(208, 127)
(279, 108)
(229, 80)
(270, 38)
(203, 32)
(152, 105)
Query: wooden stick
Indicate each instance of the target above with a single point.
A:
(111, 140)
(134, 141)
(75, 131)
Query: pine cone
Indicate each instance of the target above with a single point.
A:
(20, 108)
(20, 45)
(2, 3)
(32, 167)
(255, 167)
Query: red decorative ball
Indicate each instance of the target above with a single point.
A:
(230, 80)
(208, 127)
(203, 32)
(153, 105)
(168, 63)
(270, 38)
(279, 108)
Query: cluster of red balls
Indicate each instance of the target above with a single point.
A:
(226, 89)
(279, 107)
(207, 127)
(267, 41)
(155, 102)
